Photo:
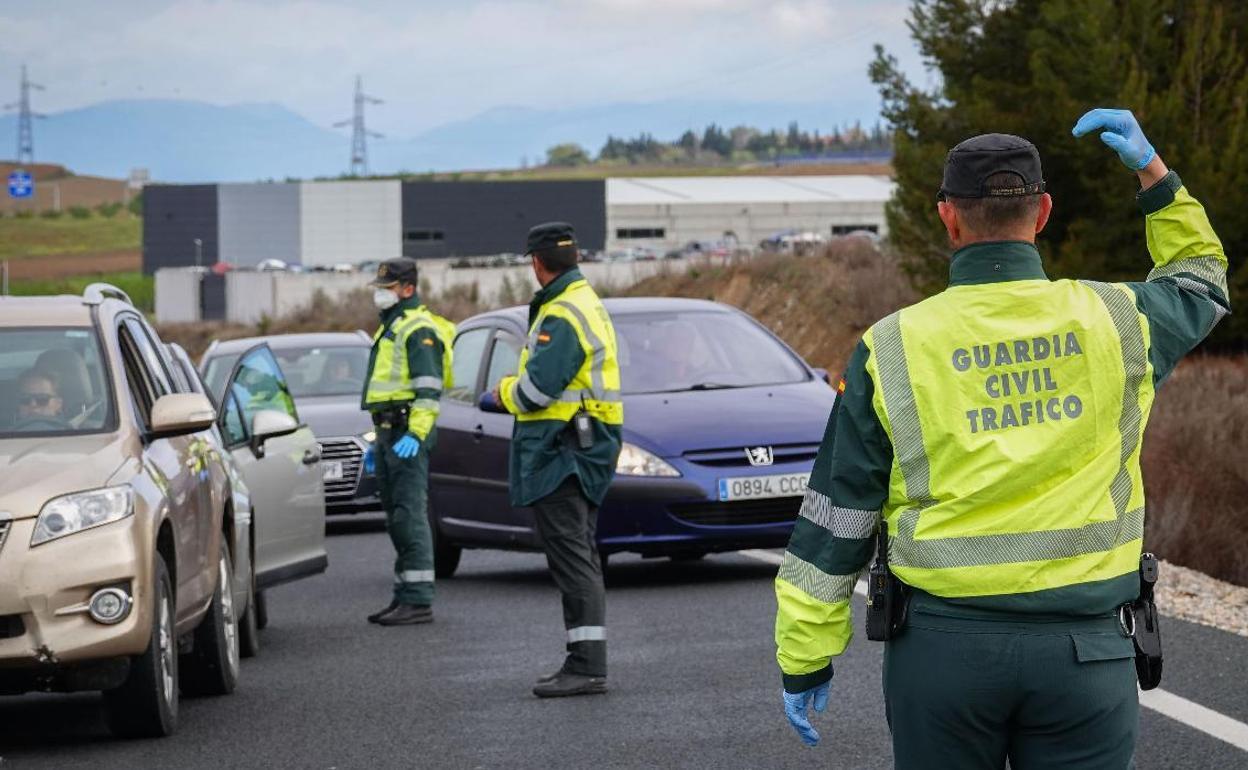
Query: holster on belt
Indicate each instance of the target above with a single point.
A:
(391, 416)
(1142, 622)
(888, 601)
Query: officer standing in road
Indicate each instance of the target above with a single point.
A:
(408, 369)
(565, 444)
(994, 429)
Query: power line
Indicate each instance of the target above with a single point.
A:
(25, 120)
(359, 133)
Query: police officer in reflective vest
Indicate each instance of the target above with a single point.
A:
(408, 369)
(994, 430)
(565, 444)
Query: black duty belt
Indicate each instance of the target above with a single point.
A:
(391, 416)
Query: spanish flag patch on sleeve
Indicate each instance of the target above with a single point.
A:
(840, 386)
(543, 337)
(427, 341)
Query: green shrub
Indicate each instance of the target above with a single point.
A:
(80, 212)
(50, 214)
(108, 210)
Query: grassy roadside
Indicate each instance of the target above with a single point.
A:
(140, 287)
(38, 237)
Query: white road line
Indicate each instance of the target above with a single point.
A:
(1167, 704)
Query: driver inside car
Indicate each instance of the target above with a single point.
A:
(38, 399)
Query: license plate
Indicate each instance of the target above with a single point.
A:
(331, 470)
(762, 487)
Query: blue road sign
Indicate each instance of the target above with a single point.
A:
(21, 184)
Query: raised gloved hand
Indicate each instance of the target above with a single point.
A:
(795, 709)
(407, 447)
(1120, 130)
(370, 459)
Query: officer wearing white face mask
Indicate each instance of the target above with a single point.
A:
(409, 368)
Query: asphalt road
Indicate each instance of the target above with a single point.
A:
(693, 682)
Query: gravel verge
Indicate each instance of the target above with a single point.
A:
(1194, 596)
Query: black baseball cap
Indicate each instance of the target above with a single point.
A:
(971, 162)
(550, 235)
(397, 270)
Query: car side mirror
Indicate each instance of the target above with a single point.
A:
(180, 413)
(823, 375)
(267, 424)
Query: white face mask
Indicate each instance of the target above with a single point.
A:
(385, 299)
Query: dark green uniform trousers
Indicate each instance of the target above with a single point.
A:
(568, 524)
(404, 487)
(970, 692)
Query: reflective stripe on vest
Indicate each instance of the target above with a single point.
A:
(1091, 535)
(390, 379)
(596, 384)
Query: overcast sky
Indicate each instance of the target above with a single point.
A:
(434, 62)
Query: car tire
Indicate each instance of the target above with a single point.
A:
(248, 625)
(146, 705)
(446, 554)
(211, 667)
(262, 610)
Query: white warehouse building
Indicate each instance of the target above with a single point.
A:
(667, 212)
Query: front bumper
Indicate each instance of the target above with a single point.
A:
(42, 589)
(657, 516)
(357, 491)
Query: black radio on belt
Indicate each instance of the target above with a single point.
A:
(1142, 622)
(887, 598)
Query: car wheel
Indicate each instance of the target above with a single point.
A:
(146, 706)
(445, 554)
(211, 667)
(262, 610)
(248, 626)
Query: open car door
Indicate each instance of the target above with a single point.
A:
(280, 461)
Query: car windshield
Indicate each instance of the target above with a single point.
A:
(52, 381)
(326, 370)
(699, 350)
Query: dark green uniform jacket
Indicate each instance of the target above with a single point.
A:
(541, 455)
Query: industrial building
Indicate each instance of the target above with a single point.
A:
(328, 223)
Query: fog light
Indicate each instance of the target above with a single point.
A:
(110, 606)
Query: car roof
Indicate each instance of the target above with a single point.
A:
(64, 310)
(620, 306)
(290, 341)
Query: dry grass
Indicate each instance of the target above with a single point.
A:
(1194, 468)
(819, 304)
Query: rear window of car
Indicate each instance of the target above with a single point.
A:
(329, 370)
(53, 382)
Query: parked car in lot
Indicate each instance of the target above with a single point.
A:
(124, 536)
(325, 376)
(278, 460)
(722, 422)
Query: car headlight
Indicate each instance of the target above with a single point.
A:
(635, 461)
(68, 514)
(369, 437)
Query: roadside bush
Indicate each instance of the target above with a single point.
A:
(50, 214)
(80, 212)
(24, 214)
(108, 210)
(1194, 471)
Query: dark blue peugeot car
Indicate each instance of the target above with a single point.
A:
(722, 422)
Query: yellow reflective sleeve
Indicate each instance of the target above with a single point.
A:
(507, 393)
(1181, 231)
(423, 415)
(809, 632)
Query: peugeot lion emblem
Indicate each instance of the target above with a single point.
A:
(760, 455)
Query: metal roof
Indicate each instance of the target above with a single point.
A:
(747, 189)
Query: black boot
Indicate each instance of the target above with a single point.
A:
(377, 615)
(407, 615)
(565, 684)
(548, 678)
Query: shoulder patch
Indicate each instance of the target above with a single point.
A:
(427, 341)
(840, 386)
(543, 337)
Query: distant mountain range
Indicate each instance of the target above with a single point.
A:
(188, 141)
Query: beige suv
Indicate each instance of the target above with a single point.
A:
(120, 521)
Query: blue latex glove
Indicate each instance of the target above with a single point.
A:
(487, 403)
(407, 447)
(1120, 130)
(370, 459)
(795, 709)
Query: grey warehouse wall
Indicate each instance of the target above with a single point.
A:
(258, 222)
(478, 218)
(173, 217)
